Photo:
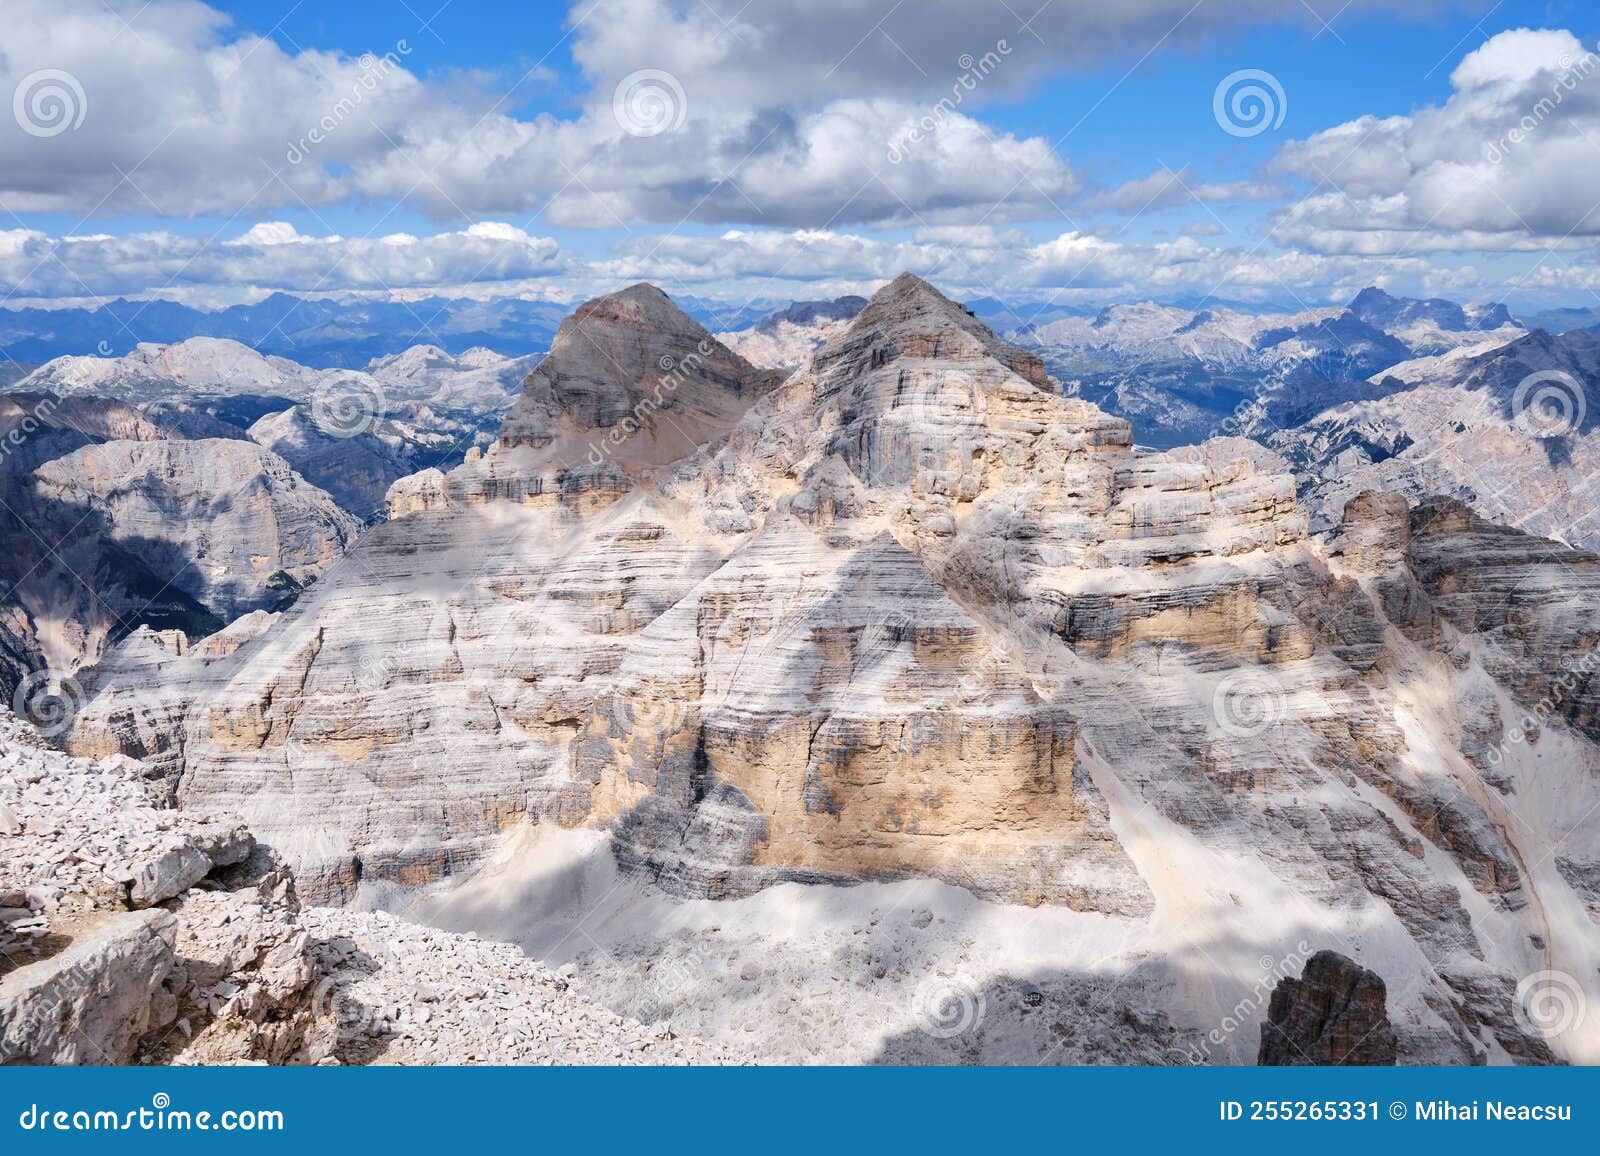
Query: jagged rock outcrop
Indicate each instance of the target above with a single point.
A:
(912, 614)
(94, 1001)
(1335, 1013)
(138, 930)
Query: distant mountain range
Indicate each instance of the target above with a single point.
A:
(1514, 432)
(321, 333)
(1182, 375)
(342, 334)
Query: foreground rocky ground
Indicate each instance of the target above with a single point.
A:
(133, 932)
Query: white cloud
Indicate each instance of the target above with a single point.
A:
(828, 166)
(782, 113)
(1166, 187)
(735, 55)
(1494, 167)
(1071, 267)
(792, 120)
(270, 255)
(180, 116)
(495, 259)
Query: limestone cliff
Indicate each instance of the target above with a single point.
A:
(912, 613)
(229, 520)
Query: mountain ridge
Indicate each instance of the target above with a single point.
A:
(916, 616)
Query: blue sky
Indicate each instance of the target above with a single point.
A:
(1092, 163)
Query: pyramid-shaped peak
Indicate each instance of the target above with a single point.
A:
(910, 304)
(909, 287)
(641, 298)
(642, 291)
(618, 360)
(911, 316)
(641, 306)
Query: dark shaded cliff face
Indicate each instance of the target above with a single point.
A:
(1335, 1013)
(113, 518)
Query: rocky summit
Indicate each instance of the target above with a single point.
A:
(911, 622)
(1333, 1014)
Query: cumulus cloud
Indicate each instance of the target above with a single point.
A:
(775, 114)
(1491, 168)
(783, 124)
(1167, 187)
(1070, 267)
(173, 117)
(271, 255)
(180, 116)
(828, 166)
(733, 54)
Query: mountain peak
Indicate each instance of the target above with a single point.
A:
(634, 361)
(909, 302)
(640, 304)
(1370, 297)
(909, 287)
(909, 317)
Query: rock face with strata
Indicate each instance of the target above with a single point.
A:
(913, 614)
(1511, 431)
(1336, 1013)
(115, 519)
(234, 524)
(632, 376)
